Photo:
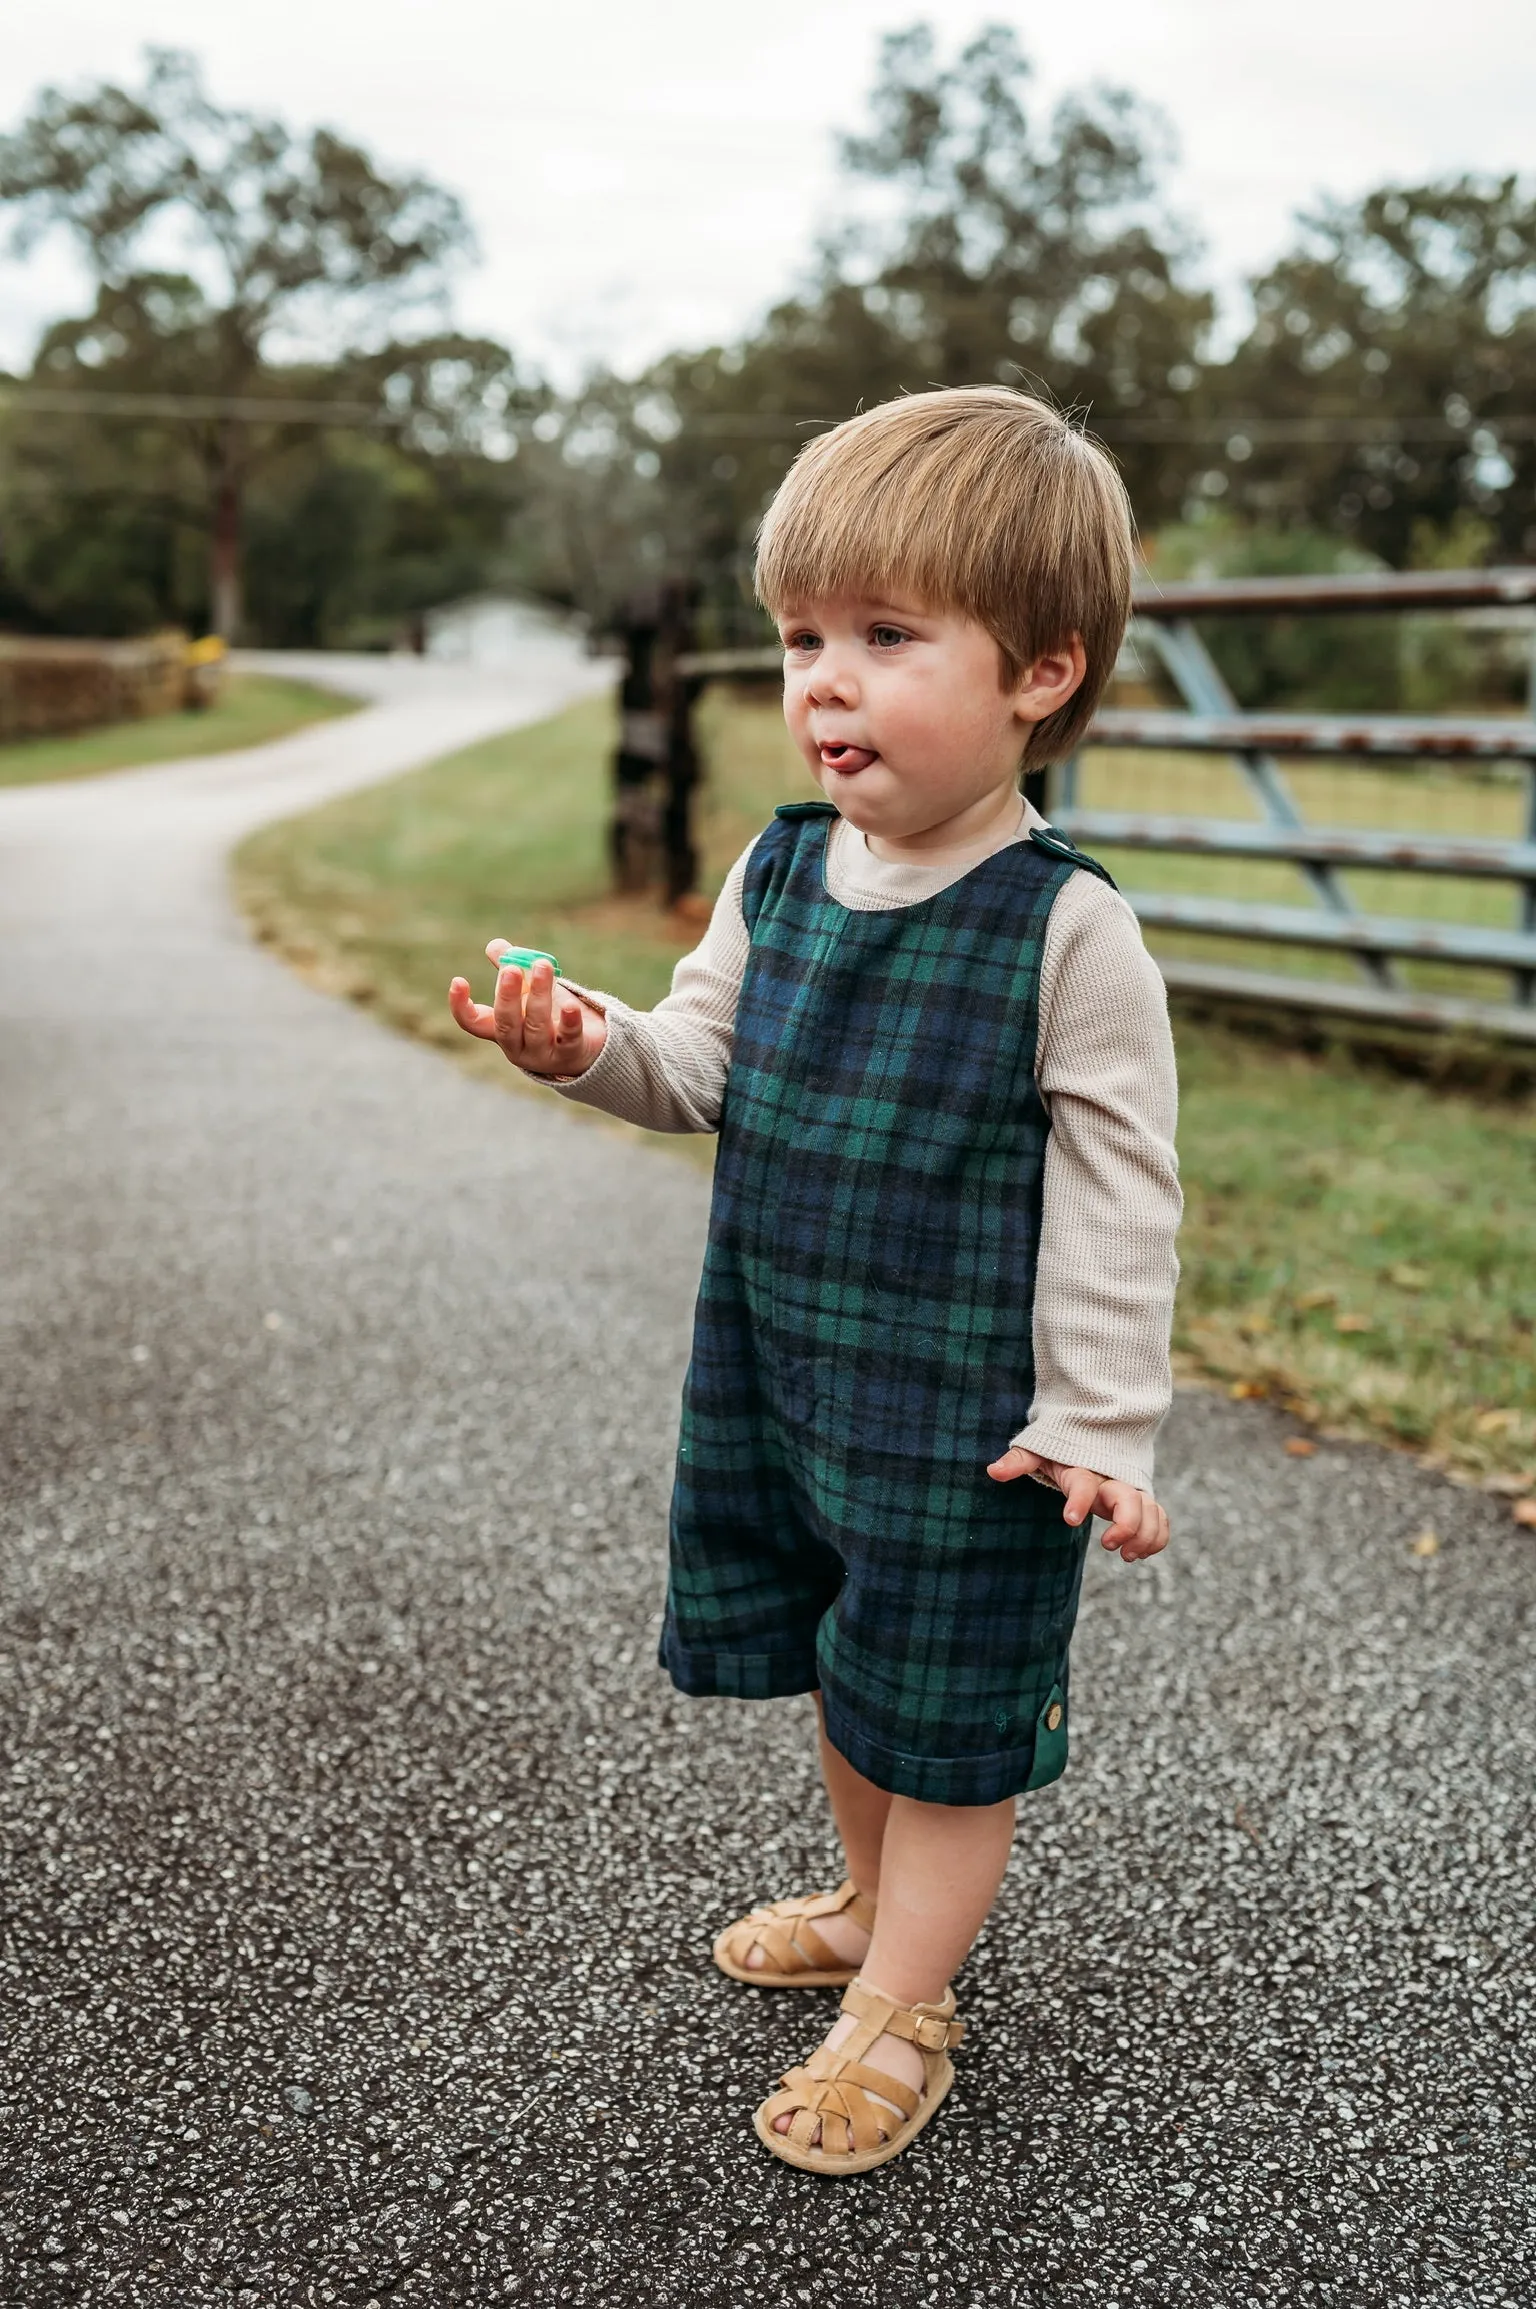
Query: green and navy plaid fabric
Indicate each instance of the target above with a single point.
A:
(863, 1343)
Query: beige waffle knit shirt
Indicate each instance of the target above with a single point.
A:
(1104, 1064)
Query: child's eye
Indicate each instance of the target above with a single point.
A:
(802, 641)
(888, 636)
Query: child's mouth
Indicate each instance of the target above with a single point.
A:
(845, 759)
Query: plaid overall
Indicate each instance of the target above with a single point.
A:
(863, 1344)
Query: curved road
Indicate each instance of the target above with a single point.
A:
(357, 1868)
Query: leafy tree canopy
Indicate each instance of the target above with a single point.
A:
(1409, 315)
(273, 222)
(277, 236)
(997, 245)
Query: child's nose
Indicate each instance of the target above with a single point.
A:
(833, 680)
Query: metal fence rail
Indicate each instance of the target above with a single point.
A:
(1259, 744)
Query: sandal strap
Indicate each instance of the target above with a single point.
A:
(834, 2068)
(932, 2027)
(851, 2096)
(789, 1944)
(847, 1900)
(789, 1940)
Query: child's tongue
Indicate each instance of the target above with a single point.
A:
(847, 758)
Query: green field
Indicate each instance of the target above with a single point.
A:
(252, 708)
(1360, 1247)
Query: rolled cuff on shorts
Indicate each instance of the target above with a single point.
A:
(986, 1778)
(707, 1675)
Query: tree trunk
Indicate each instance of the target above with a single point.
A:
(225, 606)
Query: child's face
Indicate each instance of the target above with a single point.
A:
(901, 713)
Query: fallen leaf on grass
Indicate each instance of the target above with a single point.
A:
(1427, 1543)
(1494, 1422)
(1409, 1278)
(1299, 1446)
(1307, 1300)
(1247, 1391)
(1353, 1323)
(1525, 1514)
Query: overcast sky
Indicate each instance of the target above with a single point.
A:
(648, 176)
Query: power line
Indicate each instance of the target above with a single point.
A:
(246, 410)
(1237, 433)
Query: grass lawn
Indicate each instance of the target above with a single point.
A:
(252, 708)
(1359, 1247)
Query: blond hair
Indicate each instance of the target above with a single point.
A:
(976, 499)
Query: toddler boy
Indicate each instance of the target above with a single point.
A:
(941, 1246)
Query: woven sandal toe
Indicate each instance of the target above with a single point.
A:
(837, 2094)
(794, 1953)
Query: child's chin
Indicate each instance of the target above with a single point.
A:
(871, 811)
(864, 794)
(857, 808)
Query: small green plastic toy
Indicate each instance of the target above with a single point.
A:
(524, 958)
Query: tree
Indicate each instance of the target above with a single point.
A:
(1398, 338)
(353, 534)
(1020, 247)
(999, 245)
(285, 237)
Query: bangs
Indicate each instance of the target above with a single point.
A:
(864, 511)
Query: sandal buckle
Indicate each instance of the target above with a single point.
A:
(933, 2035)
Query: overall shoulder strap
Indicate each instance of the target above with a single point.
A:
(1056, 845)
(774, 854)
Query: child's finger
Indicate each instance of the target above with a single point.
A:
(1152, 1538)
(1121, 1504)
(508, 1011)
(1122, 1534)
(473, 1016)
(1014, 1463)
(538, 1022)
(570, 1033)
(1081, 1489)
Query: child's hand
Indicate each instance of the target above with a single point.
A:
(541, 1031)
(1137, 1525)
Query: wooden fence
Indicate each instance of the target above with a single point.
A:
(1438, 960)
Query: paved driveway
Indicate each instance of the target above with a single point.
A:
(358, 1866)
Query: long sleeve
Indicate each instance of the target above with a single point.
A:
(665, 1068)
(1107, 1270)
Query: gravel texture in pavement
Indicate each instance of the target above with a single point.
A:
(360, 1868)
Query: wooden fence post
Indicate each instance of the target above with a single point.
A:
(656, 767)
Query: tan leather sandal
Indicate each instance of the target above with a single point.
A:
(834, 2090)
(794, 1953)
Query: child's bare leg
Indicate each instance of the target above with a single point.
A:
(859, 1809)
(940, 1867)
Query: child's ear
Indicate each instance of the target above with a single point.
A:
(1044, 687)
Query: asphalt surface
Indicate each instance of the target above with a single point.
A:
(359, 1867)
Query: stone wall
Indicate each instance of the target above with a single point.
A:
(47, 687)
